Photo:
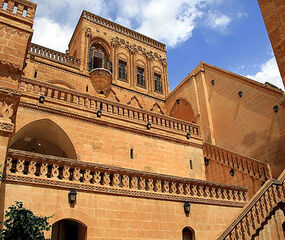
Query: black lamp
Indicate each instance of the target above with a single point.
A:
(188, 135)
(213, 82)
(72, 196)
(41, 99)
(187, 207)
(148, 126)
(177, 101)
(206, 161)
(232, 172)
(275, 108)
(240, 93)
(99, 113)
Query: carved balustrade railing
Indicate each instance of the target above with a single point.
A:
(108, 107)
(256, 211)
(25, 10)
(252, 167)
(34, 168)
(126, 31)
(54, 56)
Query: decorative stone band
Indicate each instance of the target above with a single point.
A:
(54, 56)
(6, 126)
(123, 30)
(33, 168)
(119, 111)
(25, 10)
(256, 211)
(252, 167)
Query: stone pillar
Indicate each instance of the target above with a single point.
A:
(9, 100)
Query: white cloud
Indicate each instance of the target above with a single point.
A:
(269, 72)
(218, 21)
(50, 34)
(168, 21)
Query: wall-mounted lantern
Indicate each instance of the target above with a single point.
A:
(187, 207)
(240, 94)
(188, 135)
(213, 82)
(206, 160)
(148, 126)
(72, 196)
(99, 113)
(41, 99)
(275, 108)
(232, 172)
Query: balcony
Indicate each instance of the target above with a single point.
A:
(100, 70)
(45, 170)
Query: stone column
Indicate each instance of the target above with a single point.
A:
(9, 100)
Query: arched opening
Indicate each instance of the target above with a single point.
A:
(98, 58)
(68, 229)
(182, 109)
(283, 228)
(188, 234)
(45, 137)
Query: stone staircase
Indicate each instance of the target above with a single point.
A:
(254, 221)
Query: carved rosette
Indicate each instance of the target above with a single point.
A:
(87, 176)
(32, 168)
(97, 178)
(158, 186)
(54, 172)
(106, 179)
(116, 180)
(44, 170)
(20, 167)
(142, 184)
(66, 173)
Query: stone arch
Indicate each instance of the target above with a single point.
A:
(43, 136)
(188, 233)
(103, 43)
(69, 228)
(182, 109)
(61, 83)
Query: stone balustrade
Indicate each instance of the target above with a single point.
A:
(126, 31)
(252, 167)
(34, 168)
(109, 108)
(256, 212)
(19, 8)
(54, 56)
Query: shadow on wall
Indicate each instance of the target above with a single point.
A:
(45, 137)
(183, 110)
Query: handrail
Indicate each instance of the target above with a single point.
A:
(54, 56)
(108, 107)
(250, 166)
(256, 211)
(22, 166)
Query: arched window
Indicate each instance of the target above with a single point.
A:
(188, 234)
(98, 58)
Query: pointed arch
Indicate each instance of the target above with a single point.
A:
(183, 110)
(43, 136)
(188, 233)
(135, 102)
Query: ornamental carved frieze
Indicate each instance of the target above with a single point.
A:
(9, 100)
(133, 48)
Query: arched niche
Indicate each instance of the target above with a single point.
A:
(45, 137)
(70, 229)
(188, 234)
(183, 110)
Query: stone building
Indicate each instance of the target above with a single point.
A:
(93, 136)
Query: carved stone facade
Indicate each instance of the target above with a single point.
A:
(99, 119)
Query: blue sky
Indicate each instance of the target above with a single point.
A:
(226, 33)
